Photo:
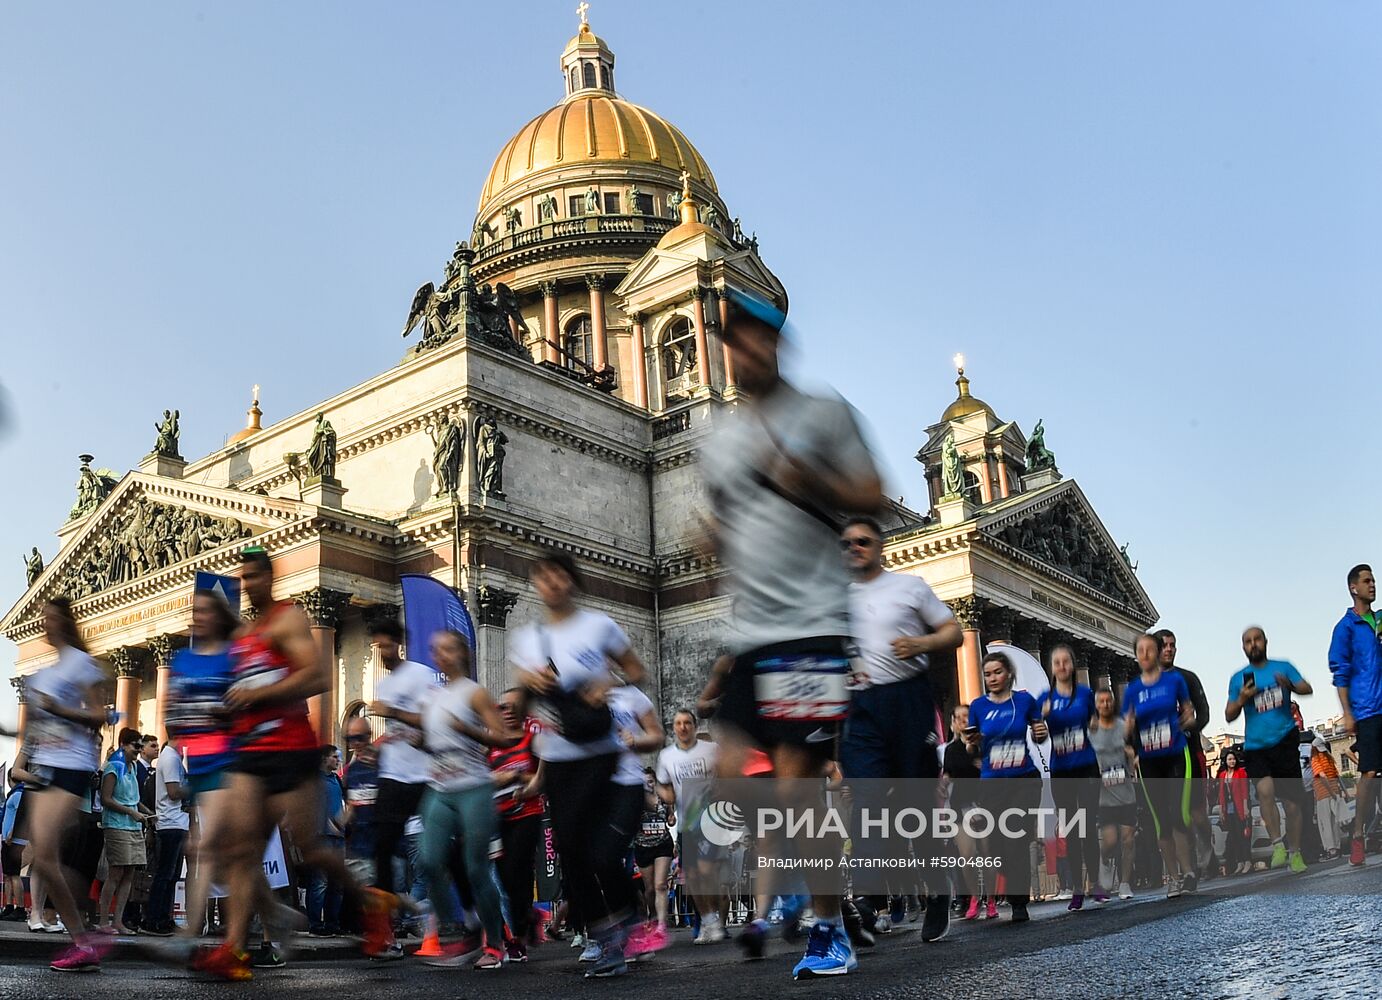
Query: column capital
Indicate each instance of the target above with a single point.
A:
(637, 317)
(999, 622)
(322, 606)
(494, 604)
(126, 661)
(162, 648)
(548, 289)
(595, 282)
(968, 611)
(18, 684)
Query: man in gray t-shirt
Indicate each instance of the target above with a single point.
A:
(779, 471)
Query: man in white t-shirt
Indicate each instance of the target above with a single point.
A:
(171, 821)
(896, 621)
(683, 774)
(404, 768)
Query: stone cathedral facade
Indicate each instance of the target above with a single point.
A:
(565, 370)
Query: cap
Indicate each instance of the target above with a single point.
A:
(1320, 744)
(757, 307)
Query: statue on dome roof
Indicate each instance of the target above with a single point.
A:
(547, 207)
(448, 455)
(592, 201)
(33, 567)
(321, 454)
(513, 219)
(1038, 455)
(952, 469)
(168, 432)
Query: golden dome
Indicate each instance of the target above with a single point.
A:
(965, 404)
(593, 127)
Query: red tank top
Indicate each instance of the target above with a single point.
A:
(257, 662)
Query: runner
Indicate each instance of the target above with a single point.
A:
(460, 724)
(779, 466)
(403, 766)
(961, 772)
(1117, 793)
(1200, 827)
(683, 772)
(520, 820)
(565, 659)
(1156, 708)
(652, 851)
(640, 732)
(1261, 693)
(1355, 661)
(273, 774)
(1068, 708)
(1008, 780)
(897, 621)
(65, 712)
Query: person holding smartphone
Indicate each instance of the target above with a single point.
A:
(1261, 694)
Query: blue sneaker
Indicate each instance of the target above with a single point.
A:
(592, 952)
(828, 953)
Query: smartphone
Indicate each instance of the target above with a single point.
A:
(970, 730)
(1248, 677)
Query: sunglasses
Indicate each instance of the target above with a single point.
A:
(856, 543)
(357, 739)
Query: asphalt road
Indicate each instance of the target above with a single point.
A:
(1316, 941)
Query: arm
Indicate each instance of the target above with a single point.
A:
(1341, 671)
(384, 710)
(947, 636)
(1199, 701)
(1247, 689)
(291, 634)
(1294, 682)
(650, 735)
(714, 689)
(90, 713)
(495, 733)
(631, 666)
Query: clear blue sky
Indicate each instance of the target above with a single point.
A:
(1156, 227)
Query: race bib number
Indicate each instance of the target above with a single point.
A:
(1068, 742)
(1007, 754)
(1268, 699)
(1156, 737)
(810, 688)
(1115, 776)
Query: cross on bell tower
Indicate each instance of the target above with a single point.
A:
(587, 64)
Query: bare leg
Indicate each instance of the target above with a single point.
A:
(660, 868)
(247, 831)
(795, 763)
(1363, 804)
(1294, 819)
(1266, 798)
(1127, 836)
(123, 886)
(53, 812)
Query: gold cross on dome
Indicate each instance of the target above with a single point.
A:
(581, 8)
(686, 183)
(256, 393)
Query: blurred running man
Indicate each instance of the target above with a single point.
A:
(1355, 660)
(1261, 693)
(1199, 764)
(778, 471)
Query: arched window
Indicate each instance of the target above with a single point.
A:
(972, 492)
(575, 80)
(588, 73)
(576, 342)
(679, 351)
(604, 77)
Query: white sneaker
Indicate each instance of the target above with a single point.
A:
(712, 931)
(1124, 891)
(578, 940)
(1065, 894)
(883, 925)
(1173, 887)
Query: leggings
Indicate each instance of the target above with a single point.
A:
(516, 870)
(998, 795)
(593, 822)
(1167, 788)
(466, 816)
(1076, 793)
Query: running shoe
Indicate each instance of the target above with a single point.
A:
(1064, 894)
(1173, 887)
(1076, 902)
(991, 911)
(859, 935)
(973, 910)
(1297, 863)
(376, 921)
(1019, 907)
(77, 958)
(592, 952)
(456, 953)
(645, 939)
(1101, 895)
(611, 963)
(828, 953)
(227, 963)
(1124, 891)
(753, 938)
(490, 958)
(578, 940)
(1189, 882)
(517, 951)
(268, 957)
(1279, 855)
(1357, 855)
(393, 952)
(936, 924)
(712, 930)
(883, 924)
(898, 915)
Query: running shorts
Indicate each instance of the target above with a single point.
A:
(1125, 815)
(279, 771)
(790, 693)
(1370, 744)
(1280, 763)
(645, 856)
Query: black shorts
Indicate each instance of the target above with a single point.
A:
(1118, 815)
(645, 856)
(740, 706)
(1199, 769)
(1370, 744)
(279, 771)
(397, 801)
(1280, 762)
(65, 778)
(11, 859)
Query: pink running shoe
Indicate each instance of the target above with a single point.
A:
(991, 912)
(77, 959)
(973, 910)
(648, 938)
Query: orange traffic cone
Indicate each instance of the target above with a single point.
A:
(431, 941)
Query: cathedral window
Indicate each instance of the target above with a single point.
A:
(575, 79)
(643, 204)
(604, 77)
(679, 354)
(972, 491)
(611, 203)
(577, 342)
(575, 206)
(588, 73)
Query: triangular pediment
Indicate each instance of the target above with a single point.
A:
(671, 270)
(149, 525)
(1057, 529)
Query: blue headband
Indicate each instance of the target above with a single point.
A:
(759, 308)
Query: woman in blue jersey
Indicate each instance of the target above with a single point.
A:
(1008, 780)
(1156, 710)
(1068, 709)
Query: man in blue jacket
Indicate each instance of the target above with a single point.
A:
(1355, 660)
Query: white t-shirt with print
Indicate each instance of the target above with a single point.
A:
(406, 687)
(457, 761)
(57, 742)
(628, 704)
(676, 766)
(888, 607)
(580, 647)
(169, 815)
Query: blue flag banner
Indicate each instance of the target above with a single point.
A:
(227, 587)
(430, 606)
